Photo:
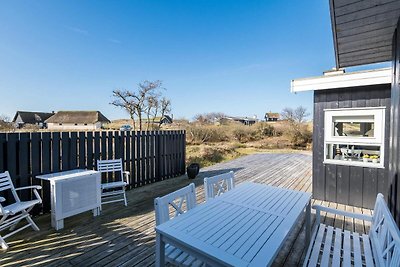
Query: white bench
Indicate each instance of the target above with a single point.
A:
(331, 246)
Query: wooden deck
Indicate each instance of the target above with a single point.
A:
(124, 236)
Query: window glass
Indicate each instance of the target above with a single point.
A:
(354, 153)
(354, 129)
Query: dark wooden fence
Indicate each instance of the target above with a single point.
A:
(150, 156)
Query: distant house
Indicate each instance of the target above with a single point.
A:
(166, 119)
(22, 118)
(77, 120)
(270, 116)
(244, 120)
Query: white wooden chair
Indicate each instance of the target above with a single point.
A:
(170, 206)
(336, 247)
(219, 184)
(110, 191)
(13, 213)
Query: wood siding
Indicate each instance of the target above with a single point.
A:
(149, 156)
(350, 185)
(394, 166)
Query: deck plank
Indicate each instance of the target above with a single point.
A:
(124, 236)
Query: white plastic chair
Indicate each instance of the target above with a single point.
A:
(13, 213)
(219, 184)
(170, 206)
(111, 190)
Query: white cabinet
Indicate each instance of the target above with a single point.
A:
(73, 192)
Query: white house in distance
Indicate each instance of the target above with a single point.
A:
(77, 120)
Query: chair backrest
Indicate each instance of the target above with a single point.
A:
(110, 166)
(384, 235)
(219, 184)
(7, 184)
(175, 203)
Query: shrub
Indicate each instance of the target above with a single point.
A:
(244, 133)
(199, 134)
(299, 135)
(265, 129)
(207, 155)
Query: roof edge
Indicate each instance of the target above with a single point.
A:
(350, 79)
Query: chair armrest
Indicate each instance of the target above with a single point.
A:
(127, 174)
(38, 187)
(320, 208)
(2, 199)
(35, 190)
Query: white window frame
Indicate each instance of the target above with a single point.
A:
(356, 115)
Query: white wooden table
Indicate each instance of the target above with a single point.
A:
(73, 192)
(246, 226)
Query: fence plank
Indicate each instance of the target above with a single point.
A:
(110, 152)
(65, 151)
(89, 152)
(46, 168)
(36, 161)
(82, 150)
(128, 152)
(96, 144)
(55, 152)
(147, 162)
(133, 160)
(73, 155)
(3, 150)
(12, 159)
(24, 165)
(138, 156)
(103, 143)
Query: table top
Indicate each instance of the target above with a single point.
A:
(65, 174)
(244, 227)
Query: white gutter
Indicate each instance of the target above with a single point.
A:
(342, 80)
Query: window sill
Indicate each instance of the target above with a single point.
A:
(354, 163)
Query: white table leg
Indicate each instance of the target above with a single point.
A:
(3, 243)
(160, 251)
(96, 212)
(308, 223)
(59, 224)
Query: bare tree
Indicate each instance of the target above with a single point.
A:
(165, 106)
(297, 115)
(145, 101)
(152, 107)
(125, 99)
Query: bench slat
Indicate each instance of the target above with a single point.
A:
(367, 251)
(337, 247)
(357, 250)
(346, 249)
(327, 247)
(317, 246)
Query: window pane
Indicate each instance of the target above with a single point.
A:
(354, 129)
(357, 153)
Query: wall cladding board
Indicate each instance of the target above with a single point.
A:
(351, 185)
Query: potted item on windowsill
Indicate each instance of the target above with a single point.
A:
(192, 170)
(374, 158)
(366, 158)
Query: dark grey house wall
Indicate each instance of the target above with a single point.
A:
(352, 185)
(394, 168)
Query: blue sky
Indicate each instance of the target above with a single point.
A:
(236, 57)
